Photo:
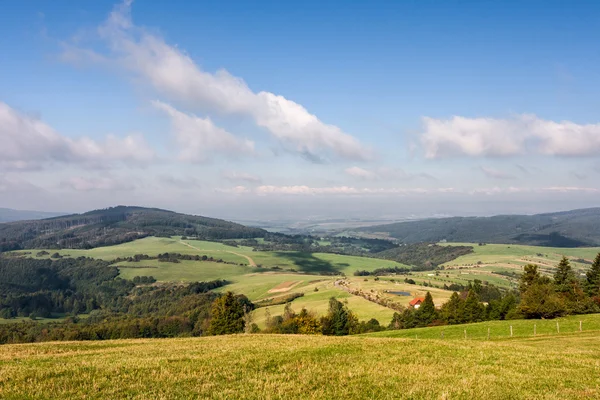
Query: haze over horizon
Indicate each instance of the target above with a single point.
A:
(280, 110)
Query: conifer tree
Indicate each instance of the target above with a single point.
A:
(530, 276)
(593, 278)
(426, 313)
(564, 277)
(453, 310)
(227, 316)
(474, 310)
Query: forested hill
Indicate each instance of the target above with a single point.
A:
(115, 225)
(562, 229)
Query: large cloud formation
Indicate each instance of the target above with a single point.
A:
(199, 138)
(522, 134)
(28, 143)
(174, 74)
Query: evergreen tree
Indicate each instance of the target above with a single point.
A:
(227, 316)
(593, 278)
(541, 301)
(474, 311)
(426, 313)
(564, 277)
(453, 310)
(530, 276)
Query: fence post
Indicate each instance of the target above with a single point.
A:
(534, 329)
(511, 331)
(465, 334)
(580, 327)
(488, 333)
(557, 327)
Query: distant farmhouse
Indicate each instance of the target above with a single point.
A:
(416, 302)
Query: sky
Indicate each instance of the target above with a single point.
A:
(313, 109)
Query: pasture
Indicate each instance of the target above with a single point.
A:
(304, 367)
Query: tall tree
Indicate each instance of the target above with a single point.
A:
(474, 311)
(227, 316)
(452, 311)
(542, 301)
(426, 313)
(564, 277)
(530, 276)
(339, 320)
(593, 278)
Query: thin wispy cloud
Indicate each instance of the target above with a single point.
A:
(384, 174)
(496, 174)
(236, 176)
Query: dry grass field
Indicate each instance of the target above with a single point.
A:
(304, 367)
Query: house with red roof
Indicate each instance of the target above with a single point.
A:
(416, 302)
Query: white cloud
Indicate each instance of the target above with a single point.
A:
(173, 73)
(235, 176)
(344, 190)
(496, 174)
(481, 137)
(199, 138)
(361, 173)
(383, 173)
(237, 190)
(28, 143)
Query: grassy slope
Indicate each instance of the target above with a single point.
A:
(304, 367)
(522, 328)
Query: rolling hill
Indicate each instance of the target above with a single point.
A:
(576, 228)
(115, 225)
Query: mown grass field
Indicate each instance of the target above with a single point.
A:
(305, 367)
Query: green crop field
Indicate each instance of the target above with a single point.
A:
(304, 367)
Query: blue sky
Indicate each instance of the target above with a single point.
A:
(304, 109)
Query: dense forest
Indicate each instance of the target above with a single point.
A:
(113, 307)
(563, 229)
(113, 226)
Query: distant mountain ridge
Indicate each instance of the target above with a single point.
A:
(11, 215)
(575, 228)
(116, 225)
